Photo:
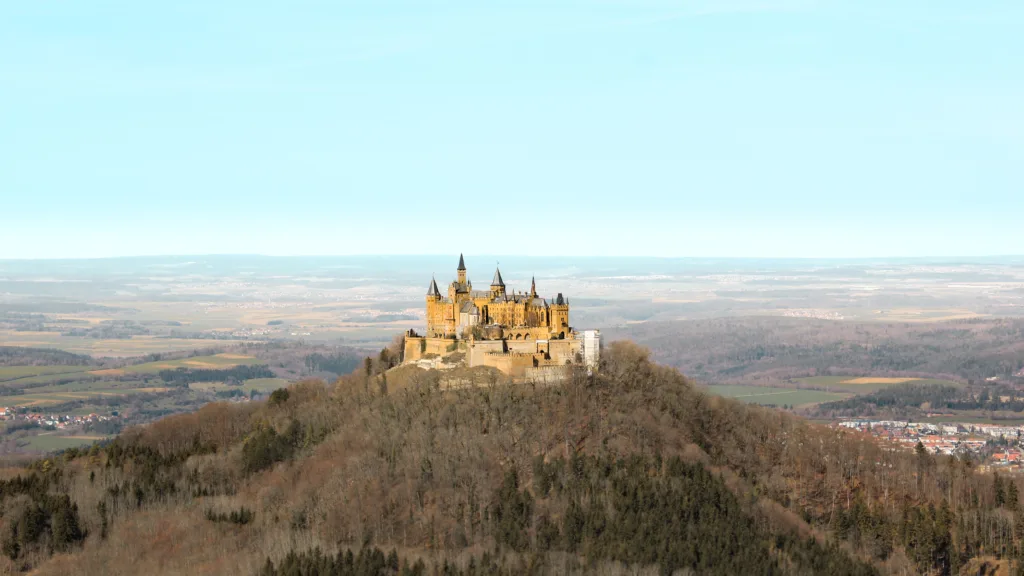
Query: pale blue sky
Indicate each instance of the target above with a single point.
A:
(692, 128)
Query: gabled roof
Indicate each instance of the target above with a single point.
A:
(497, 281)
(462, 263)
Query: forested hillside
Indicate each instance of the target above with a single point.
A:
(632, 467)
(17, 355)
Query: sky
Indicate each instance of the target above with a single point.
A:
(693, 128)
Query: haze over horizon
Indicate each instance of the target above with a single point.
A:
(726, 128)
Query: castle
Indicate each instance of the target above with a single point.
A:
(519, 333)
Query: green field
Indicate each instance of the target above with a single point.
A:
(844, 383)
(104, 348)
(8, 373)
(29, 376)
(51, 442)
(776, 396)
(261, 385)
(32, 381)
(42, 388)
(215, 362)
(78, 391)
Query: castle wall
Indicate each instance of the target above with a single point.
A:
(417, 347)
(515, 364)
(564, 351)
(479, 348)
(546, 374)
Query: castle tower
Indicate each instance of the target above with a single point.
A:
(462, 270)
(434, 319)
(533, 287)
(497, 284)
(560, 316)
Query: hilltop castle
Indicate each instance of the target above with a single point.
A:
(519, 333)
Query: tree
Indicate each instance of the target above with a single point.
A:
(512, 512)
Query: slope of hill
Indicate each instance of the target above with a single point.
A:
(634, 467)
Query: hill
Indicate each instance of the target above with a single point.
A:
(632, 467)
(769, 350)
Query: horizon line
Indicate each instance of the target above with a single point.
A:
(548, 256)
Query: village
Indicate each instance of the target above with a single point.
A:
(55, 421)
(993, 447)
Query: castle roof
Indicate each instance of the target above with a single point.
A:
(432, 289)
(559, 300)
(462, 263)
(469, 307)
(497, 281)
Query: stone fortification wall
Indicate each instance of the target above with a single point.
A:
(416, 347)
(515, 364)
(513, 357)
(546, 374)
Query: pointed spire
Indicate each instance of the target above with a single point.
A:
(497, 278)
(533, 286)
(462, 263)
(432, 289)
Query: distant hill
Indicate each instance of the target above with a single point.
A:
(18, 356)
(770, 349)
(631, 467)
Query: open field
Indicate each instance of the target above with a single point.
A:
(8, 373)
(215, 362)
(31, 381)
(49, 442)
(876, 380)
(105, 348)
(864, 384)
(776, 396)
(62, 396)
(260, 385)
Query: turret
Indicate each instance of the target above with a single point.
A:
(497, 284)
(559, 316)
(462, 270)
(433, 294)
(533, 287)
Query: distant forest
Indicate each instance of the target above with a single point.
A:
(338, 363)
(18, 356)
(911, 399)
(236, 375)
(766, 350)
